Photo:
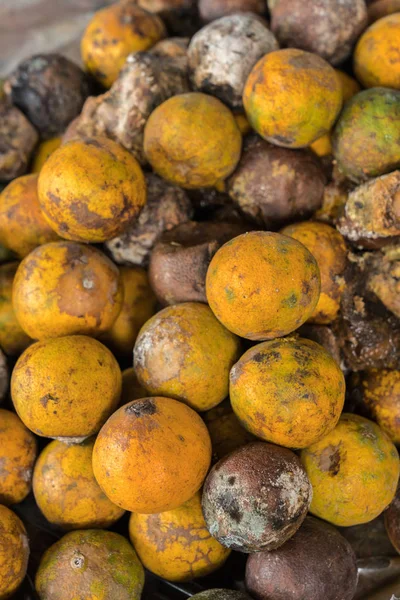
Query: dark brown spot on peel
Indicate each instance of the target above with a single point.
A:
(329, 460)
(140, 408)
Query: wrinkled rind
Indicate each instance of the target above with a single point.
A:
(289, 392)
(184, 352)
(164, 442)
(365, 139)
(114, 33)
(192, 140)
(354, 471)
(14, 552)
(65, 288)
(18, 140)
(175, 544)
(292, 97)
(222, 54)
(297, 569)
(66, 387)
(66, 490)
(91, 189)
(260, 270)
(256, 497)
(90, 564)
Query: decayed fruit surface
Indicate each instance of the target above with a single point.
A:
(365, 139)
(289, 392)
(176, 544)
(138, 306)
(89, 190)
(376, 57)
(152, 455)
(66, 491)
(18, 451)
(263, 285)
(381, 393)
(23, 226)
(292, 97)
(90, 565)
(256, 497)
(184, 352)
(66, 387)
(65, 288)
(329, 249)
(192, 140)
(354, 471)
(13, 339)
(14, 552)
(113, 34)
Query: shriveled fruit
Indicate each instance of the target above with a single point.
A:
(354, 471)
(13, 339)
(138, 306)
(226, 432)
(89, 190)
(376, 57)
(256, 498)
(18, 451)
(381, 393)
(175, 544)
(214, 9)
(90, 564)
(365, 140)
(292, 97)
(263, 285)
(289, 392)
(66, 491)
(18, 140)
(192, 140)
(22, 223)
(66, 387)
(113, 34)
(329, 249)
(152, 455)
(14, 552)
(43, 152)
(185, 353)
(298, 570)
(63, 288)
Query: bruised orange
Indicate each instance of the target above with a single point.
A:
(66, 491)
(152, 455)
(23, 226)
(64, 288)
(18, 451)
(176, 544)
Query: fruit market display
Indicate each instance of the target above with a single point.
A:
(200, 304)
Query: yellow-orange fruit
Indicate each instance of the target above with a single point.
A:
(381, 394)
(263, 285)
(63, 288)
(382, 8)
(66, 491)
(43, 152)
(226, 432)
(17, 456)
(322, 146)
(90, 565)
(183, 352)
(176, 544)
(192, 140)
(13, 339)
(152, 455)
(377, 54)
(113, 34)
(242, 123)
(91, 189)
(14, 552)
(289, 392)
(292, 97)
(22, 223)
(138, 306)
(329, 250)
(66, 387)
(353, 470)
(131, 388)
